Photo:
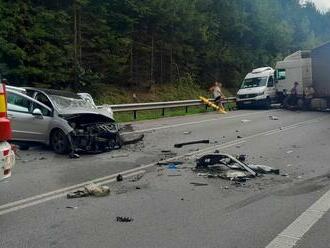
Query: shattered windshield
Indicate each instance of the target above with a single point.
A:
(62, 102)
(254, 82)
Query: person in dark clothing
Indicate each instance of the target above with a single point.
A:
(294, 95)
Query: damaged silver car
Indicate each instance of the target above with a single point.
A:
(63, 120)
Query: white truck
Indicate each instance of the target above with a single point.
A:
(310, 69)
(258, 89)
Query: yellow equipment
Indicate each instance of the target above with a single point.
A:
(212, 105)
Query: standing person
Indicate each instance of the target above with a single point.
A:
(308, 96)
(217, 93)
(294, 94)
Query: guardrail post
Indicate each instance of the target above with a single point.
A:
(163, 112)
(134, 114)
(186, 109)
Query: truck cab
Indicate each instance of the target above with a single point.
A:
(257, 89)
(297, 67)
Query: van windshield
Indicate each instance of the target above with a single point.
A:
(254, 82)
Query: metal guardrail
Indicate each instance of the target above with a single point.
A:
(134, 107)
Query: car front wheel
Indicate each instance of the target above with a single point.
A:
(59, 142)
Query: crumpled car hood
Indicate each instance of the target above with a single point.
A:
(86, 115)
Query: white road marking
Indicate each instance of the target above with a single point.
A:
(289, 237)
(34, 200)
(198, 122)
(63, 193)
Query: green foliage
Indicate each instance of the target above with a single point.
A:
(141, 43)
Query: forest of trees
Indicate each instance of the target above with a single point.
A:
(76, 43)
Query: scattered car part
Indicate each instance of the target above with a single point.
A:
(179, 145)
(124, 219)
(90, 190)
(97, 190)
(273, 118)
(224, 159)
(199, 184)
(77, 194)
(160, 163)
(263, 169)
(119, 178)
(73, 155)
(234, 175)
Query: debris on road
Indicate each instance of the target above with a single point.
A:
(71, 207)
(119, 178)
(135, 139)
(136, 178)
(90, 190)
(187, 132)
(172, 166)
(77, 194)
(245, 121)
(199, 184)
(263, 169)
(124, 155)
(160, 163)
(73, 155)
(239, 137)
(97, 190)
(124, 219)
(273, 118)
(228, 167)
(288, 152)
(225, 160)
(234, 175)
(180, 145)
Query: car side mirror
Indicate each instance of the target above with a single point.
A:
(37, 113)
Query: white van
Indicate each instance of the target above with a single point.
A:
(257, 89)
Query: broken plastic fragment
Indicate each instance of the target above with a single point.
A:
(264, 169)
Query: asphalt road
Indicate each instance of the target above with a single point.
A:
(168, 210)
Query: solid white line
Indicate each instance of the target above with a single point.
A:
(33, 203)
(20, 204)
(289, 237)
(199, 122)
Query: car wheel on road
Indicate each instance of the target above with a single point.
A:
(59, 142)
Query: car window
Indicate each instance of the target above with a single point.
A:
(18, 103)
(43, 99)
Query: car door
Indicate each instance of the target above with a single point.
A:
(271, 91)
(30, 119)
